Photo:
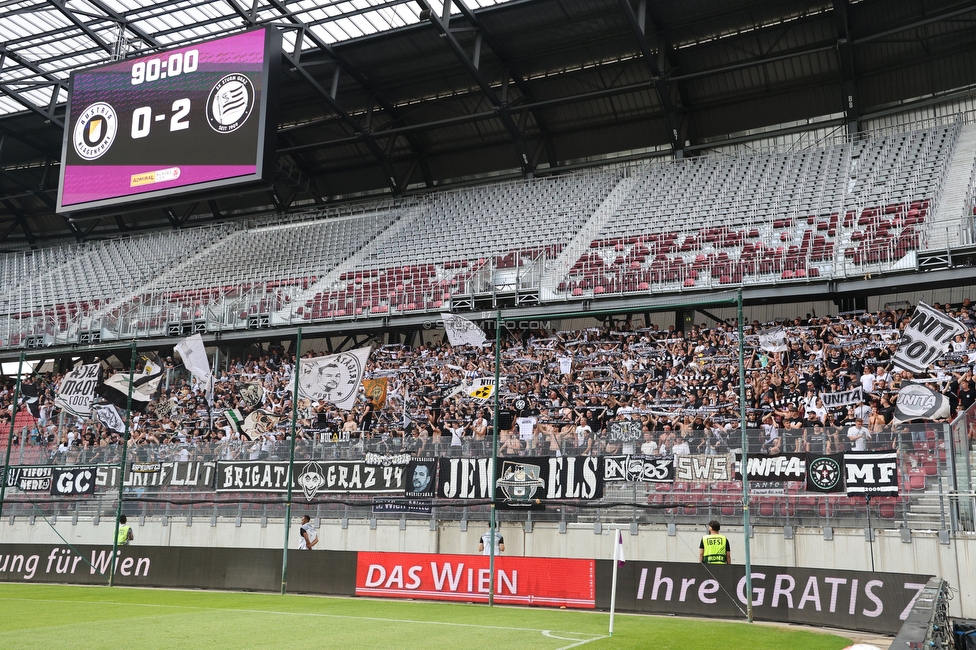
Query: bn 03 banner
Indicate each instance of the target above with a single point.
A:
(547, 582)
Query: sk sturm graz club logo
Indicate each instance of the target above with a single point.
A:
(230, 103)
(311, 480)
(95, 131)
(824, 473)
(519, 481)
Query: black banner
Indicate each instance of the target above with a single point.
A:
(527, 481)
(773, 467)
(69, 481)
(825, 472)
(703, 468)
(312, 478)
(521, 481)
(853, 600)
(642, 469)
(871, 472)
(420, 478)
(30, 479)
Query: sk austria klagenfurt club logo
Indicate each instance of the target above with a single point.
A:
(95, 131)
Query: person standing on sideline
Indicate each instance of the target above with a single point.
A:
(484, 545)
(714, 548)
(125, 532)
(309, 536)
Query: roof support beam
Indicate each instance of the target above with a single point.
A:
(661, 84)
(124, 22)
(845, 52)
(517, 78)
(26, 103)
(501, 108)
(62, 6)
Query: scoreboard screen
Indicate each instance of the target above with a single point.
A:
(184, 120)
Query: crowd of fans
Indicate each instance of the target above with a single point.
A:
(562, 393)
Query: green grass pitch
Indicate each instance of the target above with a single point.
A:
(56, 616)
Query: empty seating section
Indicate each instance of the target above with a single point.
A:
(256, 270)
(464, 242)
(850, 207)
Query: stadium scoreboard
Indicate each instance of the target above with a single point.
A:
(184, 120)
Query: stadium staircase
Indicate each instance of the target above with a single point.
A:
(947, 230)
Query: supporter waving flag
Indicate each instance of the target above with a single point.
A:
(926, 338)
(335, 378)
(145, 384)
(461, 331)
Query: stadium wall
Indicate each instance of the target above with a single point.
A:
(848, 549)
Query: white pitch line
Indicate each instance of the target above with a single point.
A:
(578, 643)
(310, 614)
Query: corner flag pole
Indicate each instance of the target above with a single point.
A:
(291, 463)
(618, 559)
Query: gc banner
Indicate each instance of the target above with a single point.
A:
(69, 481)
(547, 582)
(853, 600)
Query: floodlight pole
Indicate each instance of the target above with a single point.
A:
(494, 459)
(291, 462)
(745, 454)
(125, 448)
(10, 438)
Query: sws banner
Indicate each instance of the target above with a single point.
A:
(546, 582)
(703, 468)
(854, 600)
(521, 481)
(311, 478)
(642, 469)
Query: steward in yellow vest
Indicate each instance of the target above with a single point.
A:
(714, 548)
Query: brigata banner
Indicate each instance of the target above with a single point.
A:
(311, 478)
(546, 582)
(852, 600)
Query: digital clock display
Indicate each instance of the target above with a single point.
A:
(184, 120)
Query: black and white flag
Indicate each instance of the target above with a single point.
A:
(108, 415)
(335, 378)
(461, 331)
(916, 402)
(76, 392)
(773, 340)
(842, 398)
(871, 473)
(145, 384)
(194, 356)
(825, 472)
(926, 338)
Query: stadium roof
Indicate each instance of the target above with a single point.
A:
(388, 98)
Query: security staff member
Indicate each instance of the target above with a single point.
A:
(125, 532)
(714, 548)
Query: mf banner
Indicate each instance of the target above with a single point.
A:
(311, 478)
(853, 600)
(871, 473)
(546, 582)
